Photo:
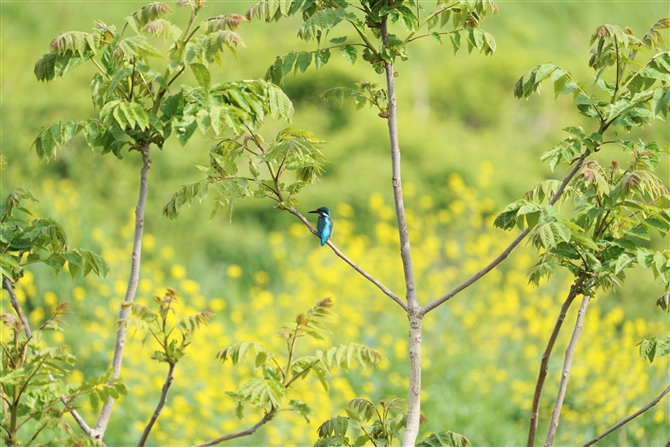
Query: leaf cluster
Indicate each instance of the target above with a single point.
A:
(365, 93)
(454, 18)
(25, 240)
(32, 381)
(616, 207)
(652, 347)
(629, 93)
(173, 338)
(275, 373)
(292, 150)
(377, 425)
(134, 87)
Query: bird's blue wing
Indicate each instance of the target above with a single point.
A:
(320, 224)
(325, 228)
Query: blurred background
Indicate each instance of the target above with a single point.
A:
(469, 148)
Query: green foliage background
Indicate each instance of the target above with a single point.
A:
(468, 148)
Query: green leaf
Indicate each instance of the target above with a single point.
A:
(444, 439)
(321, 57)
(648, 349)
(125, 72)
(622, 262)
(304, 61)
(334, 428)
(202, 75)
(662, 347)
(301, 408)
(319, 23)
(288, 61)
(237, 353)
(349, 53)
(455, 38)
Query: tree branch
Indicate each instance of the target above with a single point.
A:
(370, 278)
(629, 418)
(405, 252)
(26, 327)
(161, 402)
(567, 364)
(501, 257)
(106, 412)
(268, 416)
(542, 375)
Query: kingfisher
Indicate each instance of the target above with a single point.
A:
(324, 226)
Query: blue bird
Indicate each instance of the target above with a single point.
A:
(324, 226)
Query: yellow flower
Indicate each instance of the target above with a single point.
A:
(178, 271)
(234, 271)
(261, 277)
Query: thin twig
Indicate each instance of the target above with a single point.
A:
(567, 364)
(37, 432)
(501, 257)
(370, 278)
(268, 416)
(542, 375)
(133, 281)
(629, 418)
(161, 402)
(26, 327)
(295, 377)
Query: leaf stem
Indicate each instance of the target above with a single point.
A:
(297, 376)
(132, 82)
(653, 58)
(441, 34)
(409, 38)
(360, 32)
(618, 71)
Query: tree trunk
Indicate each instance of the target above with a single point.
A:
(101, 426)
(413, 400)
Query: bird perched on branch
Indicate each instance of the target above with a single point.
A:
(324, 226)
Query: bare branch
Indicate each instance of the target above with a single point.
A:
(161, 402)
(370, 278)
(630, 418)
(268, 416)
(106, 412)
(501, 257)
(392, 120)
(567, 364)
(17, 307)
(574, 291)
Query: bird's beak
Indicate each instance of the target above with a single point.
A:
(315, 211)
